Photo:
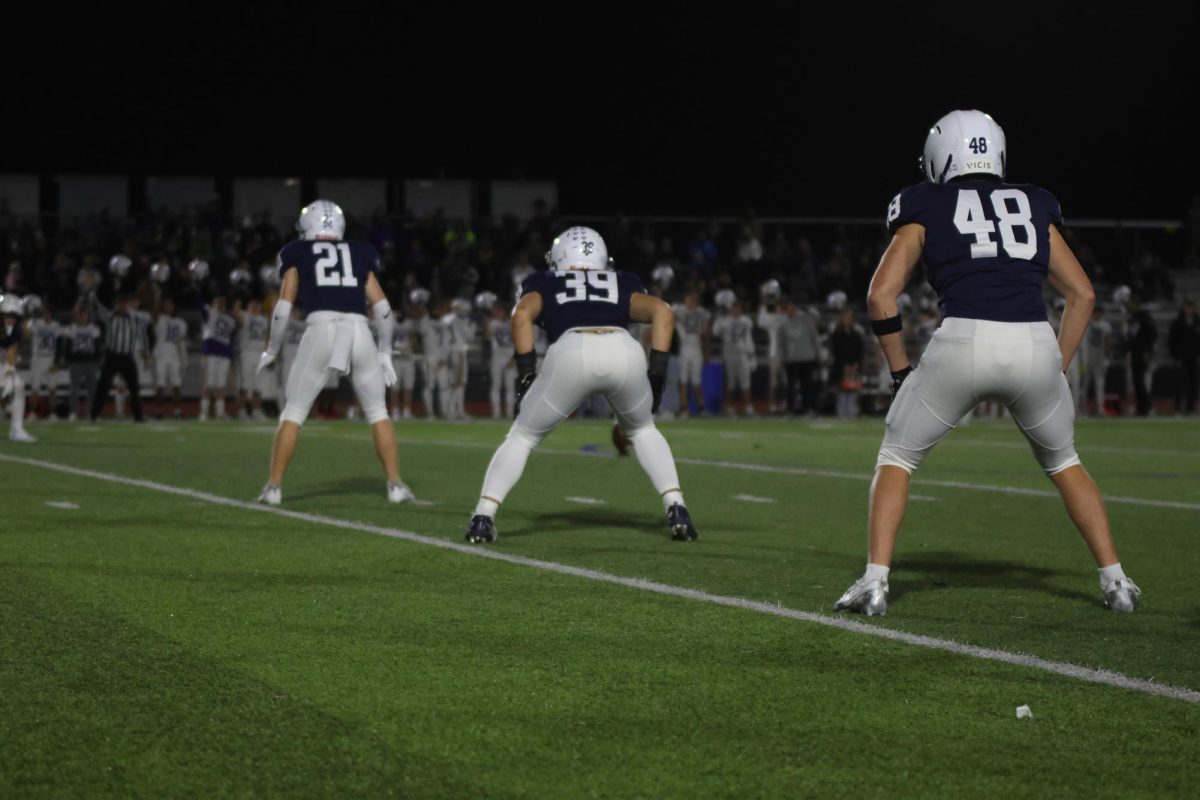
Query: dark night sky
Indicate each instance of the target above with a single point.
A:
(764, 106)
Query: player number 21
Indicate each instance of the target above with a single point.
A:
(1012, 211)
(327, 264)
(591, 285)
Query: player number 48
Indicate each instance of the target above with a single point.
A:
(1012, 211)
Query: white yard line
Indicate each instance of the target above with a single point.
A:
(1087, 674)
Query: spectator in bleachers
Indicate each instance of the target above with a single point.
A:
(1142, 337)
(846, 346)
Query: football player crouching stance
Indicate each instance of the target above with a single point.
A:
(585, 307)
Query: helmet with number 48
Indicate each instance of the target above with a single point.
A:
(964, 143)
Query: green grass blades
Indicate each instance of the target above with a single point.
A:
(157, 644)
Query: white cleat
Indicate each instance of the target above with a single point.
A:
(271, 495)
(865, 597)
(1122, 595)
(21, 435)
(398, 492)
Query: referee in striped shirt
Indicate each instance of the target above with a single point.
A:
(123, 335)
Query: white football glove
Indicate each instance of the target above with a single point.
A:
(264, 361)
(385, 366)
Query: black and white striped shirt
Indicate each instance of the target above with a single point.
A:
(124, 333)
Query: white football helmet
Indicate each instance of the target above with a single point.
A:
(577, 248)
(240, 277)
(321, 219)
(485, 300)
(11, 304)
(836, 300)
(724, 299)
(119, 265)
(663, 275)
(964, 143)
(160, 271)
(461, 307)
(418, 296)
(771, 291)
(1121, 294)
(32, 304)
(269, 275)
(198, 269)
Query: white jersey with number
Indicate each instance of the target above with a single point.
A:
(170, 338)
(45, 338)
(689, 327)
(252, 335)
(737, 336)
(771, 322)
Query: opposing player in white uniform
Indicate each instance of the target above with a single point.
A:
(170, 356)
(1097, 349)
(503, 368)
(584, 308)
(770, 319)
(44, 331)
(692, 330)
(217, 349)
(987, 246)
(12, 388)
(334, 281)
(437, 344)
(404, 361)
(465, 332)
(252, 340)
(736, 332)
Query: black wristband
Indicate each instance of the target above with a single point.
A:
(658, 362)
(526, 363)
(882, 327)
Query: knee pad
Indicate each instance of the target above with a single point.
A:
(892, 456)
(1055, 461)
(293, 414)
(530, 439)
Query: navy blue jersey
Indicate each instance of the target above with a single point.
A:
(333, 274)
(591, 298)
(987, 245)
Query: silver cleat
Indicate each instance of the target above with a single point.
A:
(271, 495)
(1122, 595)
(865, 597)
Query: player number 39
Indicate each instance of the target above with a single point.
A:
(594, 285)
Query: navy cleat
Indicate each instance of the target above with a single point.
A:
(482, 530)
(680, 523)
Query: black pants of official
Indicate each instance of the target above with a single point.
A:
(127, 369)
(1187, 386)
(1141, 391)
(801, 386)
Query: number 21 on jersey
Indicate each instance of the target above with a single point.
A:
(327, 264)
(594, 285)
(1011, 207)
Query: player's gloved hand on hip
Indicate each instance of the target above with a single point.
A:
(385, 366)
(526, 372)
(898, 378)
(657, 373)
(264, 361)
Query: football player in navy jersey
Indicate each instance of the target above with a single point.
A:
(987, 245)
(334, 281)
(584, 307)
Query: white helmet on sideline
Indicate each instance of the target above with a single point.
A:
(964, 143)
(119, 265)
(577, 248)
(321, 219)
(160, 271)
(485, 300)
(11, 304)
(198, 268)
(418, 296)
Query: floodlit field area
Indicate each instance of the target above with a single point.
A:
(160, 635)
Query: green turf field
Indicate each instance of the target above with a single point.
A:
(156, 643)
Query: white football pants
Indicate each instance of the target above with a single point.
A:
(322, 350)
(576, 366)
(968, 361)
